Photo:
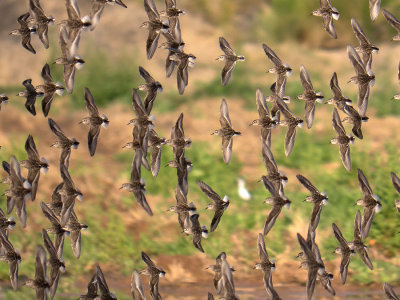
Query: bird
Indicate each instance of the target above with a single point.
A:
(242, 190)
(278, 200)
(40, 283)
(217, 269)
(396, 184)
(281, 70)
(25, 31)
(56, 261)
(154, 25)
(182, 207)
(277, 94)
(291, 122)
(309, 96)
(183, 166)
(20, 192)
(317, 198)
(265, 120)
(136, 286)
(171, 12)
(178, 142)
(41, 21)
(94, 121)
(267, 266)
(342, 139)
(63, 142)
(155, 143)
(56, 228)
(219, 205)
(74, 227)
(97, 10)
(369, 201)
(3, 99)
(6, 224)
(226, 132)
(230, 59)
(49, 89)
(175, 43)
(275, 176)
(354, 118)
(390, 294)
(313, 264)
(192, 226)
(34, 164)
(74, 24)
(30, 93)
(143, 121)
(151, 86)
(136, 185)
(226, 286)
(69, 192)
(328, 14)
(364, 79)
(374, 7)
(12, 256)
(210, 296)
(69, 59)
(56, 202)
(394, 22)
(366, 48)
(344, 250)
(138, 144)
(184, 62)
(357, 243)
(103, 287)
(91, 289)
(155, 273)
(341, 102)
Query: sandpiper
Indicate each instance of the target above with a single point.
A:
(171, 12)
(184, 62)
(354, 118)
(94, 120)
(75, 227)
(193, 227)
(226, 132)
(219, 205)
(56, 261)
(390, 294)
(30, 93)
(69, 59)
(56, 227)
(178, 142)
(318, 198)
(278, 200)
(25, 32)
(366, 48)
(3, 99)
(281, 70)
(344, 250)
(340, 101)
(265, 120)
(40, 283)
(267, 266)
(155, 143)
(49, 88)
(151, 86)
(182, 207)
(155, 273)
(364, 79)
(309, 96)
(342, 139)
(41, 21)
(291, 122)
(97, 10)
(34, 164)
(369, 201)
(91, 289)
(328, 14)
(12, 256)
(230, 59)
(154, 25)
(63, 142)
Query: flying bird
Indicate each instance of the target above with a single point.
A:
(230, 59)
(226, 132)
(394, 22)
(328, 14)
(155, 273)
(342, 139)
(30, 94)
(25, 32)
(41, 21)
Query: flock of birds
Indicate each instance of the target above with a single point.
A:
(60, 211)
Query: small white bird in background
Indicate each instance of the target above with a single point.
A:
(242, 191)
